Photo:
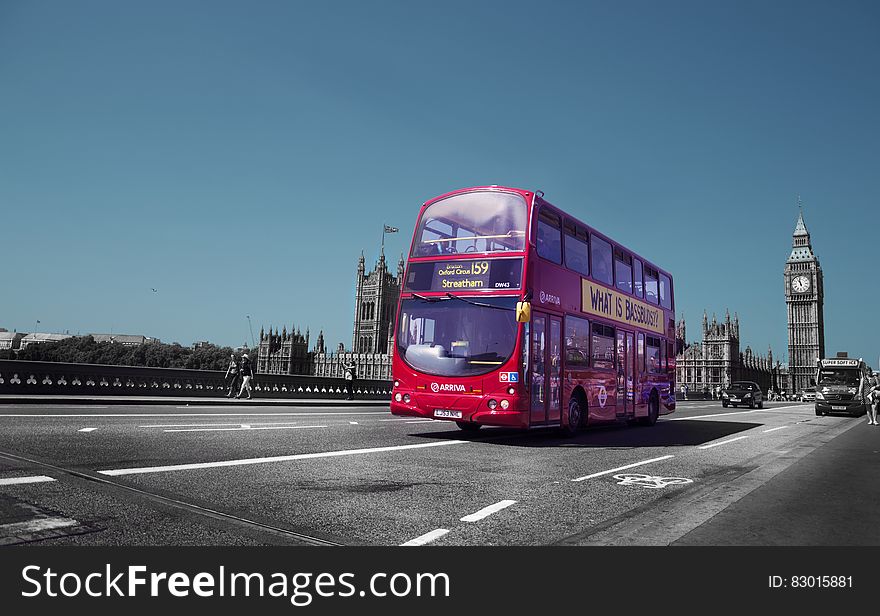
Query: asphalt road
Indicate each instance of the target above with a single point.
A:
(352, 475)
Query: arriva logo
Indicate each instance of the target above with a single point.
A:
(438, 387)
(547, 298)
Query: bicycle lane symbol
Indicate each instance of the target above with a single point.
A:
(649, 481)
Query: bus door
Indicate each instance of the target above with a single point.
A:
(545, 372)
(626, 386)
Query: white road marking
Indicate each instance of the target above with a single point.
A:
(730, 413)
(191, 414)
(35, 525)
(623, 468)
(86, 429)
(300, 456)
(420, 421)
(427, 537)
(775, 429)
(14, 481)
(730, 440)
(485, 512)
(353, 423)
(200, 425)
(243, 428)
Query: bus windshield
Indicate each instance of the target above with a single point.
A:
(840, 376)
(475, 222)
(455, 336)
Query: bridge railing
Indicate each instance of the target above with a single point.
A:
(56, 378)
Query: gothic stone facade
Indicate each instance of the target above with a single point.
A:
(717, 361)
(283, 353)
(804, 298)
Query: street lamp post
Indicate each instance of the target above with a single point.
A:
(253, 344)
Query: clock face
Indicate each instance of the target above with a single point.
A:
(800, 284)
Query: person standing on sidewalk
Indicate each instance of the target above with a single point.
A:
(246, 375)
(232, 376)
(350, 376)
(872, 398)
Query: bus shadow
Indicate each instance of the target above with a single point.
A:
(663, 434)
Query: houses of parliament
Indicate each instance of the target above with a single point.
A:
(714, 361)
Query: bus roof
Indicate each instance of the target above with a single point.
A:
(538, 198)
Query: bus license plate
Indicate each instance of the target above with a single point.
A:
(447, 413)
(838, 408)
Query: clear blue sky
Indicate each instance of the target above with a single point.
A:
(238, 156)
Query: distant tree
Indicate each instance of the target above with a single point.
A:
(84, 350)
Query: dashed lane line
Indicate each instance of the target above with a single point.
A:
(14, 481)
(426, 538)
(730, 440)
(245, 461)
(485, 512)
(240, 429)
(623, 468)
(86, 429)
(35, 526)
(775, 429)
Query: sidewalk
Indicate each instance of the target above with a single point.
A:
(830, 497)
(193, 401)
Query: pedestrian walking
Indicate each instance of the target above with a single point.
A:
(247, 374)
(872, 398)
(233, 376)
(350, 377)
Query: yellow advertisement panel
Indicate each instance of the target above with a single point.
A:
(601, 301)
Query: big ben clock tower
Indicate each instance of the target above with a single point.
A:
(804, 298)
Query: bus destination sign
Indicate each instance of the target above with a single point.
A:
(465, 275)
(601, 301)
(840, 363)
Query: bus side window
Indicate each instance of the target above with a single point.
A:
(600, 256)
(623, 273)
(577, 249)
(577, 339)
(641, 353)
(549, 238)
(665, 291)
(637, 276)
(651, 285)
(603, 346)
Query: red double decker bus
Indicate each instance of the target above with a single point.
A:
(514, 313)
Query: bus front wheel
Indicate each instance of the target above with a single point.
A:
(653, 412)
(575, 416)
(468, 426)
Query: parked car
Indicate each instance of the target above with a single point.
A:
(743, 392)
(809, 395)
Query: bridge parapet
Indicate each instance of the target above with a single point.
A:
(56, 378)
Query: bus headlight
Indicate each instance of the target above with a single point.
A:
(505, 404)
(406, 398)
(493, 403)
(397, 397)
(511, 390)
(396, 383)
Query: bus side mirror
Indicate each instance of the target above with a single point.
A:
(523, 312)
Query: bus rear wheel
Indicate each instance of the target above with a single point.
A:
(468, 426)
